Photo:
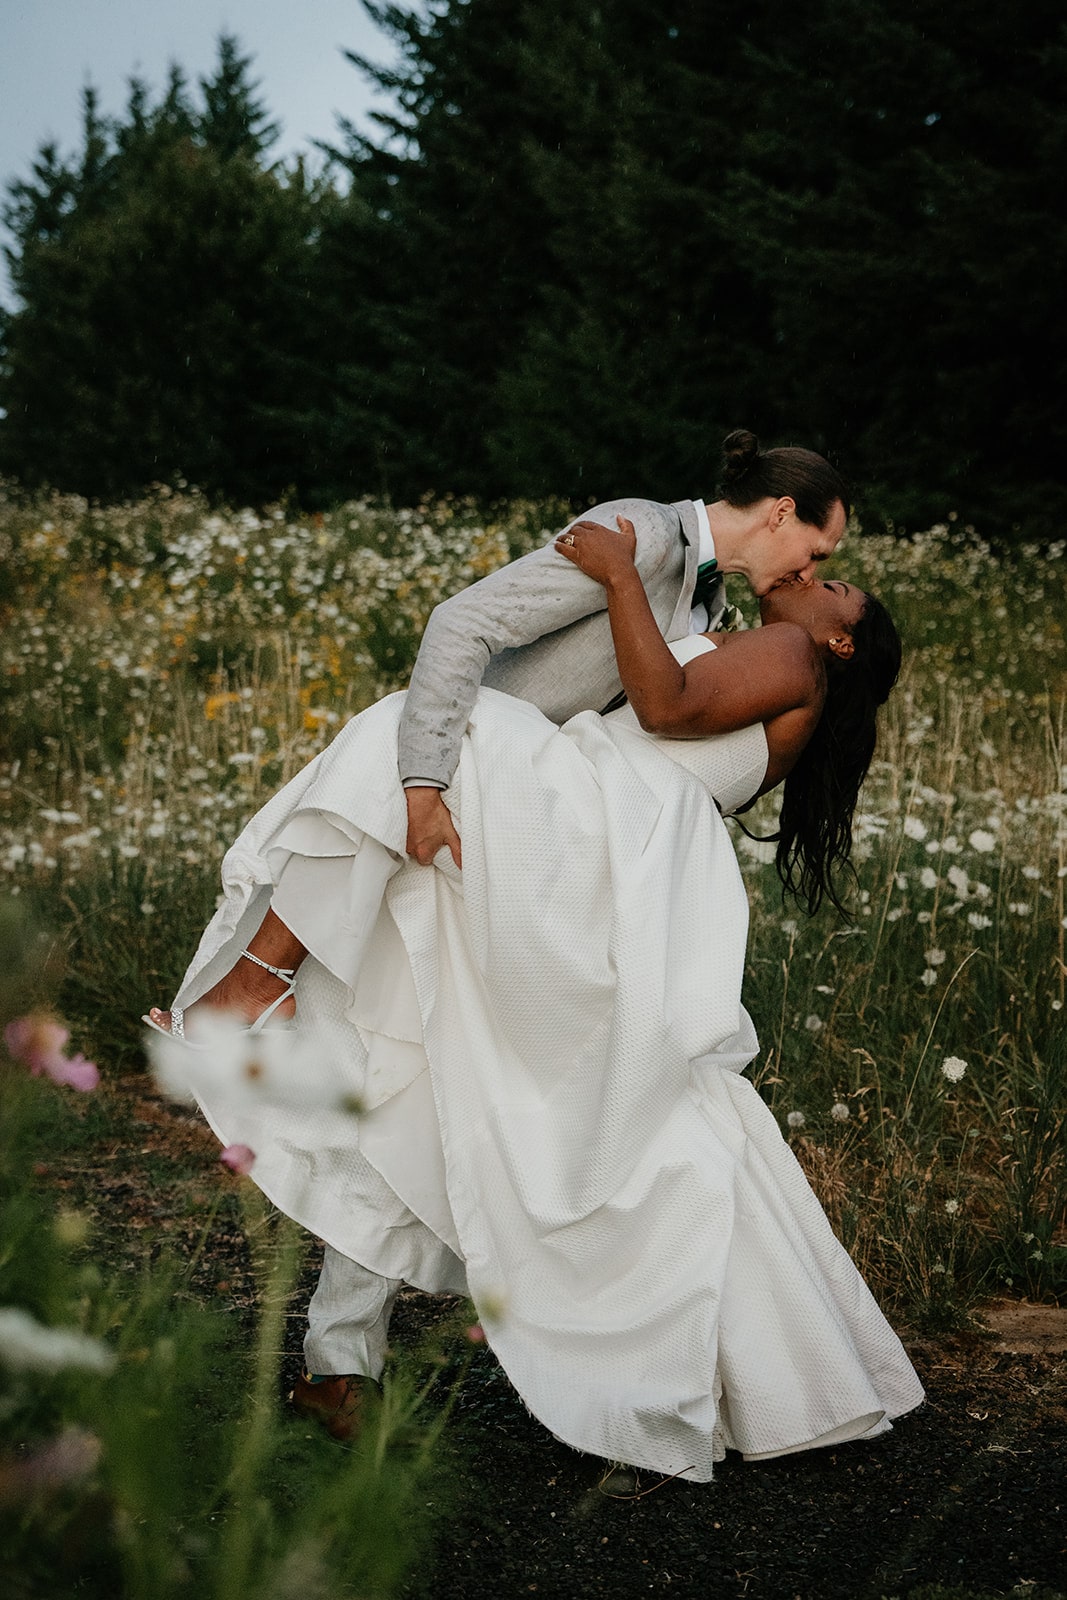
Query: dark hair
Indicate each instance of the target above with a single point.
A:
(750, 474)
(815, 825)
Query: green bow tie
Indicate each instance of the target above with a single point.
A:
(707, 578)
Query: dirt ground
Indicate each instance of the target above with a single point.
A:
(967, 1492)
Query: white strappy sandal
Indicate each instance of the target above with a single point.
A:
(177, 1015)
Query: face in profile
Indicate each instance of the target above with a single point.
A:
(787, 549)
(827, 609)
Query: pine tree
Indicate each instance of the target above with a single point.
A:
(832, 224)
(233, 122)
(587, 241)
(438, 256)
(163, 282)
(894, 200)
(648, 348)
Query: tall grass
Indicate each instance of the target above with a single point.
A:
(164, 666)
(143, 1451)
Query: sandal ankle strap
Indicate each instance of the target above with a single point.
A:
(287, 974)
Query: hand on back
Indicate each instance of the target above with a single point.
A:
(603, 554)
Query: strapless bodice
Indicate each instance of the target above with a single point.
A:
(731, 766)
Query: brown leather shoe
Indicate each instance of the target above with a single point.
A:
(335, 1403)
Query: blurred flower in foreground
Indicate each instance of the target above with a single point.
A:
(953, 1068)
(71, 1228)
(68, 1458)
(475, 1333)
(37, 1042)
(27, 1345)
(493, 1306)
(239, 1158)
(222, 1063)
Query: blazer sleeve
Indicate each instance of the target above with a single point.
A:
(537, 595)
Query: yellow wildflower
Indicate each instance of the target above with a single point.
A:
(215, 702)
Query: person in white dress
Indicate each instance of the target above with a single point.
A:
(538, 629)
(547, 1044)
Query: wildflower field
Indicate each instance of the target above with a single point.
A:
(164, 666)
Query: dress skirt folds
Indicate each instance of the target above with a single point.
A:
(547, 1052)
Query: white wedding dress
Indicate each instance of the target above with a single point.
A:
(547, 1049)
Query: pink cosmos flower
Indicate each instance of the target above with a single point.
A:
(239, 1158)
(77, 1072)
(32, 1039)
(37, 1042)
(475, 1333)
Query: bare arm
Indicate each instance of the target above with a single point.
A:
(752, 677)
(522, 602)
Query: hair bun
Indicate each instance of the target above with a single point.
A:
(740, 452)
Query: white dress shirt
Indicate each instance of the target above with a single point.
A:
(699, 619)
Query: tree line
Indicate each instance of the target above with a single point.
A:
(587, 241)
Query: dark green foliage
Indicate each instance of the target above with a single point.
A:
(585, 243)
(621, 231)
(443, 245)
(232, 123)
(895, 194)
(653, 345)
(163, 283)
(174, 1472)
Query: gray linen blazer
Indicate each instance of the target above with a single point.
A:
(538, 629)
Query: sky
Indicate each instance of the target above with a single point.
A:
(49, 50)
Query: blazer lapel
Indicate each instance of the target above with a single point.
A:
(679, 623)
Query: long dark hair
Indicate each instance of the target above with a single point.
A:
(750, 474)
(815, 824)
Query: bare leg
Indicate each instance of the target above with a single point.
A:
(247, 989)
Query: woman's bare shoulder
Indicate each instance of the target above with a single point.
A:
(780, 644)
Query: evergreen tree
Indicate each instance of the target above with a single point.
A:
(163, 283)
(892, 193)
(233, 122)
(585, 243)
(440, 252)
(649, 344)
(832, 224)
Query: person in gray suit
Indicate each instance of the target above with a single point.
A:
(538, 628)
